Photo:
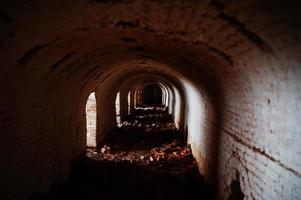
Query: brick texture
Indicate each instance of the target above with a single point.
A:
(234, 66)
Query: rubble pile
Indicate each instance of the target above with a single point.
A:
(152, 108)
(167, 152)
(149, 110)
(149, 119)
(148, 126)
(160, 117)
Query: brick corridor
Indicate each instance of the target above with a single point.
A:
(228, 71)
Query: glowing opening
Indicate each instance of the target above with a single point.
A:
(91, 120)
(129, 103)
(117, 106)
(165, 95)
(137, 98)
(176, 107)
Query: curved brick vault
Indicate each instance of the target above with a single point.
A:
(234, 64)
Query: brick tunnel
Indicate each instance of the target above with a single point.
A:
(228, 72)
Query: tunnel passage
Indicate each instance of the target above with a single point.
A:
(231, 67)
(152, 95)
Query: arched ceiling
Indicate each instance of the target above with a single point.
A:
(65, 36)
(245, 54)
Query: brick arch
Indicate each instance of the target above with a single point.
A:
(175, 92)
(242, 56)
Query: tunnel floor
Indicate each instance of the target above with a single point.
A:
(146, 158)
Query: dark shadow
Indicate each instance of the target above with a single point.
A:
(152, 95)
(110, 180)
(236, 193)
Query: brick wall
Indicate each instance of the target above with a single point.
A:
(242, 58)
(260, 135)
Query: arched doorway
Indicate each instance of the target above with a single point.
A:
(91, 120)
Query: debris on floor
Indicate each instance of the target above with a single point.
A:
(154, 109)
(140, 160)
(171, 151)
(167, 172)
(149, 122)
